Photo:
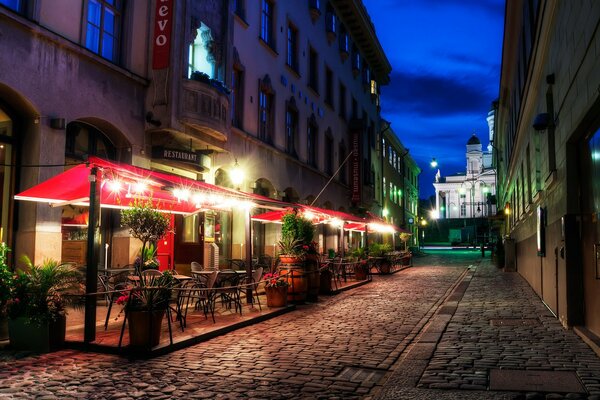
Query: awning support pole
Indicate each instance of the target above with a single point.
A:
(248, 255)
(91, 277)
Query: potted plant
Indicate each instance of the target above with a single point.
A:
(361, 268)
(276, 289)
(289, 249)
(38, 305)
(381, 261)
(145, 306)
(6, 284)
(148, 225)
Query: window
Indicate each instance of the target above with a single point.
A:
(356, 66)
(292, 47)
(344, 44)
(267, 23)
(330, 21)
(342, 100)
(103, 27)
(329, 153)
(312, 143)
(15, 5)
(200, 58)
(463, 209)
(239, 8)
(366, 78)
(328, 86)
(383, 146)
(291, 127)
(265, 110)
(343, 175)
(237, 97)
(384, 187)
(313, 68)
(83, 140)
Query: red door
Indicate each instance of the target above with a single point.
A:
(165, 248)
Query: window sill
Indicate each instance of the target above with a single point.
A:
(241, 20)
(269, 46)
(292, 70)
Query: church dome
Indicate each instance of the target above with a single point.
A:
(474, 140)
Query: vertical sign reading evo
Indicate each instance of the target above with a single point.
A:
(355, 184)
(162, 34)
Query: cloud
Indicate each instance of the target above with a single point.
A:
(436, 95)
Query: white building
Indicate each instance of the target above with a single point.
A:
(469, 194)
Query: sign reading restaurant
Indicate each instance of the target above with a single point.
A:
(165, 153)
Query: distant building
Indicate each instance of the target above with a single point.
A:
(400, 187)
(468, 194)
(548, 140)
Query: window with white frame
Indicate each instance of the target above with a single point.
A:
(199, 57)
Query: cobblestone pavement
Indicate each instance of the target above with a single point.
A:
(473, 342)
(421, 333)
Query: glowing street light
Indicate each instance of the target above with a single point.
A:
(237, 175)
(433, 163)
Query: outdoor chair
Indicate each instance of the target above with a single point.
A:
(201, 293)
(116, 283)
(237, 264)
(196, 266)
(256, 277)
(266, 262)
(229, 289)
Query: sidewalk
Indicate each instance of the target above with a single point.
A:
(494, 338)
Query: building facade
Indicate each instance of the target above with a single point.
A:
(469, 195)
(399, 188)
(287, 92)
(548, 141)
(306, 79)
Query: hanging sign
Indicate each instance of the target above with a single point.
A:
(163, 20)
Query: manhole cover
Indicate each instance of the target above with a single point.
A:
(514, 321)
(535, 381)
(360, 374)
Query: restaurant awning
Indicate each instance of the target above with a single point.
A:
(122, 184)
(320, 215)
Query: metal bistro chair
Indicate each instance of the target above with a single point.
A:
(229, 288)
(201, 293)
(237, 264)
(256, 277)
(196, 266)
(115, 283)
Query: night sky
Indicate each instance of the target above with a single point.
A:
(445, 57)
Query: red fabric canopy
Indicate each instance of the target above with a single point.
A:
(121, 185)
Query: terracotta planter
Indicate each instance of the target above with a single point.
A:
(276, 296)
(290, 259)
(42, 338)
(3, 328)
(145, 328)
(360, 272)
(325, 282)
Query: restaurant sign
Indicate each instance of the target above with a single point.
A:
(161, 43)
(165, 153)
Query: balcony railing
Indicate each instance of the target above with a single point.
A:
(204, 105)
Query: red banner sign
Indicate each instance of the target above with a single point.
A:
(162, 34)
(355, 173)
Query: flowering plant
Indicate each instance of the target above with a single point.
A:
(6, 280)
(274, 280)
(152, 293)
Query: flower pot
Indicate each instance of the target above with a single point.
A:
(360, 272)
(41, 338)
(145, 328)
(3, 328)
(325, 282)
(297, 282)
(276, 296)
(290, 259)
(311, 270)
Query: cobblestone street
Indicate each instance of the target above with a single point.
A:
(424, 332)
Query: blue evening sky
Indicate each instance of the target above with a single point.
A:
(445, 57)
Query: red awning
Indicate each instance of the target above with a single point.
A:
(121, 185)
(316, 215)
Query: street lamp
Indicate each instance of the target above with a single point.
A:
(433, 163)
(237, 175)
